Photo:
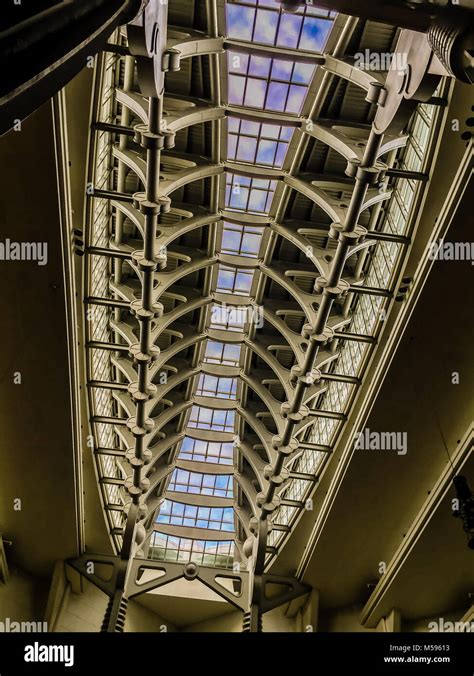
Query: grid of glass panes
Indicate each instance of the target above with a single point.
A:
(350, 357)
(412, 158)
(216, 386)
(296, 489)
(227, 354)
(257, 142)
(203, 552)
(368, 308)
(309, 461)
(227, 318)
(252, 195)
(336, 396)
(285, 513)
(267, 83)
(196, 516)
(234, 280)
(219, 485)
(220, 452)
(276, 536)
(265, 22)
(241, 240)
(211, 419)
(100, 368)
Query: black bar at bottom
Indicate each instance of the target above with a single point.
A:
(329, 653)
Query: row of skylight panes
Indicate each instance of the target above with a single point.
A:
(196, 516)
(261, 82)
(241, 240)
(368, 309)
(173, 548)
(219, 485)
(218, 387)
(237, 281)
(257, 142)
(211, 419)
(220, 452)
(264, 22)
(251, 195)
(227, 354)
(268, 83)
(102, 401)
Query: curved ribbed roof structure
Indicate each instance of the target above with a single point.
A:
(243, 236)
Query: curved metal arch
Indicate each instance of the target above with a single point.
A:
(304, 300)
(167, 233)
(292, 235)
(162, 447)
(281, 373)
(191, 43)
(249, 491)
(165, 280)
(346, 69)
(177, 118)
(190, 340)
(272, 404)
(254, 460)
(260, 431)
(330, 205)
(336, 140)
(180, 311)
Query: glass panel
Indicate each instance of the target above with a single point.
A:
(265, 23)
(220, 452)
(264, 82)
(204, 552)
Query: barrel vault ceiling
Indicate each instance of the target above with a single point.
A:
(216, 384)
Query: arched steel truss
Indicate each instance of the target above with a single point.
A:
(149, 298)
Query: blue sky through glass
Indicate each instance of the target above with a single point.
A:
(267, 82)
(253, 195)
(265, 23)
(241, 240)
(257, 142)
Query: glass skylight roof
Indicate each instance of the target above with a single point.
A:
(203, 552)
(220, 452)
(227, 318)
(241, 240)
(214, 386)
(264, 22)
(222, 353)
(253, 195)
(273, 82)
(257, 142)
(180, 514)
(234, 280)
(219, 485)
(211, 419)
(268, 83)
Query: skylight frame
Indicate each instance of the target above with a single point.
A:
(198, 483)
(296, 84)
(224, 348)
(239, 132)
(217, 387)
(200, 419)
(217, 553)
(243, 232)
(213, 452)
(252, 190)
(234, 280)
(175, 513)
(248, 15)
